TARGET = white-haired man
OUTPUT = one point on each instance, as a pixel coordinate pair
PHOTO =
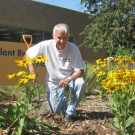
(65, 68)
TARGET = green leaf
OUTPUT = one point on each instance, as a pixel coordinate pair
(127, 134)
(23, 103)
(97, 90)
(22, 109)
(30, 106)
(109, 106)
(116, 119)
(99, 96)
(129, 121)
(1, 123)
(11, 109)
(115, 113)
(38, 119)
(36, 107)
(14, 117)
(51, 127)
(116, 125)
(3, 115)
(2, 110)
(111, 101)
(111, 126)
(21, 124)
(132, 98)
(17, 110)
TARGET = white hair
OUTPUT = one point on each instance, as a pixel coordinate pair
(61, 27)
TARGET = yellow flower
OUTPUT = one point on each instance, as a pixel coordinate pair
(11, 76)
(98, 80)
(95, 68)
(109, 91)
(127, 58)
(131, 61)
(98, 61)
(100, 73)
(120, 61)
(18, 85)
(40, 59)
(104, 81)
(111, 73)
(27, 78)
(120, 56)
(126, 65)
(116, 60)
(103, 64)
(105, 60)
(31, 76)
(24, 62)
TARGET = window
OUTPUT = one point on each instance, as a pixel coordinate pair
(47, 35)
(14, 34)
(10, 33)
(72, 39)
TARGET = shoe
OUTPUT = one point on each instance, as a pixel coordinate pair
(68, 118)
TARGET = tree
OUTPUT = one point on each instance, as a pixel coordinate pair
(113, 25)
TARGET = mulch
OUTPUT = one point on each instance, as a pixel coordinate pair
(92, 118)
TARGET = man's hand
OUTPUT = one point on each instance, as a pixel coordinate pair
(64, 83)
(31, 69)
(34, 80)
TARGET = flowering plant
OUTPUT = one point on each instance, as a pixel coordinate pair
(101, 70)
(120, 83)
(16, 120)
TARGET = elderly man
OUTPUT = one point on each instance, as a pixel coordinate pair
(65, 68)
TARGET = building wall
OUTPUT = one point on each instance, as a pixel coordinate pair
(9, 52)
(41, 16)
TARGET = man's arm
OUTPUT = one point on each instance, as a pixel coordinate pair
(79, 73)
(31, 67)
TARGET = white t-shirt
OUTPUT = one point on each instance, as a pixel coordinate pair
(61, 64)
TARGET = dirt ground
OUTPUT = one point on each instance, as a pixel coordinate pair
(92, 118)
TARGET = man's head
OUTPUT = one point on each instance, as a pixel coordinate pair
(61, 35)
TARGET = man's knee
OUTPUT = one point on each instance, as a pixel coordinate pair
(80, 82)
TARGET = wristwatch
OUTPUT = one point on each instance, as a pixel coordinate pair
(69, 78)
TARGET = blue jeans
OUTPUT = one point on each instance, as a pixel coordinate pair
(57, 102)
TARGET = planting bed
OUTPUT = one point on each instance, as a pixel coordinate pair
(92, 118)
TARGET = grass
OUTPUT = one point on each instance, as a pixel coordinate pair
(89, 77)
(10, 93)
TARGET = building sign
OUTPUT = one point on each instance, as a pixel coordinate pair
(9, 52)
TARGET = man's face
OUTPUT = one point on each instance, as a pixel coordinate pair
(61, 40)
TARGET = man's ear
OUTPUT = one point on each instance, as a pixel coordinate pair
(53, 36)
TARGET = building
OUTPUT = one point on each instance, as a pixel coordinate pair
(18, 17)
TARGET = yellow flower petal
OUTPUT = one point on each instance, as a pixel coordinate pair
(11, 76)
(21, 73)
